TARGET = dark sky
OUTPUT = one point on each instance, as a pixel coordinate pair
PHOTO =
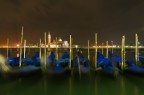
(81, 18)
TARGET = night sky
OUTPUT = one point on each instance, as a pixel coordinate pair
(81, 18)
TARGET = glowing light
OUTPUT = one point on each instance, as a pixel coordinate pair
(17, 45)
(60, 40)
(76, 46)
(17, 55)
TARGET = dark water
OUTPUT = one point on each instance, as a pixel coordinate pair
(123, 85)
(68, 85)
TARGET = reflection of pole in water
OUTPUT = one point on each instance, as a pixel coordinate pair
(122, 86)
(136, 92)
(70, 85)
(96, 86)
(45, 86)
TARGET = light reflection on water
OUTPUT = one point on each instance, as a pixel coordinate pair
(122, 87)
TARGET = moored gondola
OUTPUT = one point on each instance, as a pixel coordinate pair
(59, 67)
(128, 66)
(17, 72)
(81, 65)
(105, 66)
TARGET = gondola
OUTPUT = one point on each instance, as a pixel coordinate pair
(7, 71)
(59, 67)
(129, 66)
(34, 60)
(141, 60)
(13, 61)
(106, 66)
(81, 64)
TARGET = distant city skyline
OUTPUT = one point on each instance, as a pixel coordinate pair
(111, 19)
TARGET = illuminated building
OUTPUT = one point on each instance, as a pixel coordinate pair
(65, 44)
(57, 42)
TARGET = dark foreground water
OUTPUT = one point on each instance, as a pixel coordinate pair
(123, 85)
(67, 85)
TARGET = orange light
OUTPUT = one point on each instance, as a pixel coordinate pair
(17, 45)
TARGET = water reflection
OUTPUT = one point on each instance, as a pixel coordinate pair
(136, 91)
(45, 86)
(96, 87)
(122, 86)
(70, 85)
(7, 87)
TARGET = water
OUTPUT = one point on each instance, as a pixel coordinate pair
(68, 85)
(124, 85)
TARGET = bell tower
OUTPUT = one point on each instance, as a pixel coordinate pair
(49, 38)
